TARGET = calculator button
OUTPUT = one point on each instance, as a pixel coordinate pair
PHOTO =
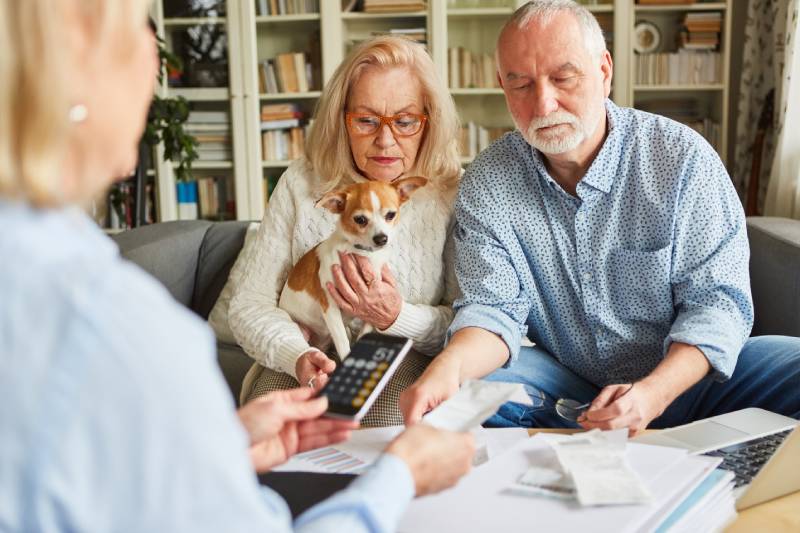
(371, 365)
(370, 383)
(349, 362)
(357, 402)
(376, 375)
(352, 391)
(363, 392)
(383, 366)
(360, 363)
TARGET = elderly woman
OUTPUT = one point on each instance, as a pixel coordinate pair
(115, 415)
(385, 114)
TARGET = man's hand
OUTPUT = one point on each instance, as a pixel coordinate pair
(436, 458)
(631, 406)
(313, 364)
(284, 423)
(438, 383)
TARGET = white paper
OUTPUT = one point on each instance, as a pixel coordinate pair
(481, 501)
(366, 445)
(475, 401)
(350, 457)
(596, 463)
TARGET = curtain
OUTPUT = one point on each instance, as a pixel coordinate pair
(762, 69)
(783, 192)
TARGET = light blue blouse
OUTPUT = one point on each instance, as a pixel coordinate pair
(113, 413)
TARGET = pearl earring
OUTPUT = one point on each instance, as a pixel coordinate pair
(78, 113)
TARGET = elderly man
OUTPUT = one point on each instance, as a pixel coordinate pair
(614, 240)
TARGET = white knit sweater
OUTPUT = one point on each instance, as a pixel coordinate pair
(422, 264)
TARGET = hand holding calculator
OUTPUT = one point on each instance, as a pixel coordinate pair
(359, 379)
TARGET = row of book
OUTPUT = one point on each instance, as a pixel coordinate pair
(283, 132)
(474, 138)
(212, 129)
(387, 6)
(287, 7)
(283, 145)
(286, 73)
(121, 205)
(688, 111)
(700, 31)
(471, 70)
(686, 67)
(419, 35)
(210, 198)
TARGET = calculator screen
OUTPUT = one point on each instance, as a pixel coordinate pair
(362, 373)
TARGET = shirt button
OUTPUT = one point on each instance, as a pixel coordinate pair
(587, 275)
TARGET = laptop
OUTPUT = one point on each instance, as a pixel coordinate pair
(761, 448)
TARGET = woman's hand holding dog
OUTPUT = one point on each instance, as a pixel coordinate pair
(313, 365)
(359, 293)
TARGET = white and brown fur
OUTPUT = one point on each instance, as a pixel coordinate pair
(305, 296)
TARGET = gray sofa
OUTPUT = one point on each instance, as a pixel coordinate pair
(193, 259)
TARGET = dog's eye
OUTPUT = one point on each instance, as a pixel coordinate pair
(390, 216)
(361, 220)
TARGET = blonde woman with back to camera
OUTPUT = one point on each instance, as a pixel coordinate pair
(116, 417)
(384, 115)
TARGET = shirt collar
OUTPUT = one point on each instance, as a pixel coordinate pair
(601, 172)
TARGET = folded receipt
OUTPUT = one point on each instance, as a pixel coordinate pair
(474, 403)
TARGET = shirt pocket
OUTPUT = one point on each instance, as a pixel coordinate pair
(639, 283)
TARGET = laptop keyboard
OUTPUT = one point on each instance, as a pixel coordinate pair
(746, 458)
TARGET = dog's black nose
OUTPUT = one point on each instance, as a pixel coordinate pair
(380, 239)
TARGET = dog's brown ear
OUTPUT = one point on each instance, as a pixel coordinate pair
(406, 186)
(333, 201)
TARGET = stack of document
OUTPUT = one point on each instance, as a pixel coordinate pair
(684, 492)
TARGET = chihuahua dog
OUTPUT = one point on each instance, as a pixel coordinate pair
(368, 213)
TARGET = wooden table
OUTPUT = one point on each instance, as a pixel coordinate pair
(775, 516)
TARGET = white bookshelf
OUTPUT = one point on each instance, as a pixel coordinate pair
(711, 99)
(448, 23)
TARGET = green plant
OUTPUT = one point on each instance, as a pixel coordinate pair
(166, 119)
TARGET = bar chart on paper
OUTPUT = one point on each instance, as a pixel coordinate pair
(351, 457)
(329, 460)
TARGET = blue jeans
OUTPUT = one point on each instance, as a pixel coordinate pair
(767, 375)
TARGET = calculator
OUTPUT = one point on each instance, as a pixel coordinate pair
(360, 378)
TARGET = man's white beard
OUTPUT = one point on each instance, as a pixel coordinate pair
(569, 133)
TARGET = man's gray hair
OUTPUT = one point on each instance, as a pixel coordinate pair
(545, 10)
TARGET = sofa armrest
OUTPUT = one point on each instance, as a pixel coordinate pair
(775, 274)
(168, 251)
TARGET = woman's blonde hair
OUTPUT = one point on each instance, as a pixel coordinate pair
(34, 87)
(328, 148)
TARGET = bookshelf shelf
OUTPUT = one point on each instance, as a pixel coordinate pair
(379, 16)
(193, 21)
(275, 163)
(476, 92)
(290, 96)
(708, 6)
(601, 8)
(480, 12)
(210, 165)
(655, 88)
(279, 19)
(201, 94)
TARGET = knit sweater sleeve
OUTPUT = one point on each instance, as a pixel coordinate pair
(263, 330)
(426, 325)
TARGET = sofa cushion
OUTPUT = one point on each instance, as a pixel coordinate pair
(218, 318)
(234, 364)
(775, 275)
(219, 251)
(169, 252)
